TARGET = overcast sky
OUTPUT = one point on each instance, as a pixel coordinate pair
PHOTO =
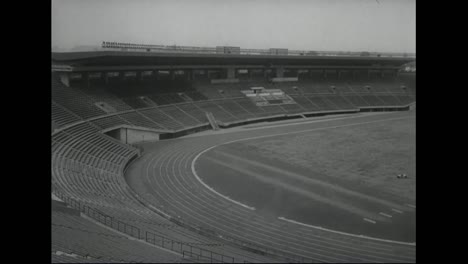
(338, 25)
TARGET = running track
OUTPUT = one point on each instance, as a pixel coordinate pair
(163, 177)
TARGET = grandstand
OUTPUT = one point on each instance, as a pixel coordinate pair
(98, 217)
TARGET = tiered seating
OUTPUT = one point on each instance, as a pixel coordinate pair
(87, 166)
(311, 87)
(322, 87)
(378, 87)
(272, 110)
(356, 100)
(218, 112)
(305, 103)
(136, 102)
(209, 91)
(292, 108)
(105, 190)
(177, 114)
(74, 100)
(310, 95)
(395, 87)
(388, 99)
(165, 99)
(160, 118)
(289, 88)
(405, 99)
(390, 87)
(62, 117)
(137, 119)
(53, 126)
(84, 145)
(358, 87)
(339, 102)
(101, 244)
(306, 88)
(231, 90)
(194, 111)
(372, 100)
(100, 95)
(196, 96)
(234, 109)
(321, 104)
(249, 106)
(341, 87)
(110, 121)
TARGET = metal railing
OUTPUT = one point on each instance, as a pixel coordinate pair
(183, 248)
(213, 50)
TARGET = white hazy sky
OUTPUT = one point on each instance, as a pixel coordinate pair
(339, 25)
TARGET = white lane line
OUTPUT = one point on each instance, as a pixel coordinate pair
(273, 135)
(211, 189)
(397, 211)
(412, 206)
(386, 215)
(369, 220)
(347, 234)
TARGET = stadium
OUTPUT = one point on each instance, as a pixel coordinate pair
(222, 154)
(219, 131)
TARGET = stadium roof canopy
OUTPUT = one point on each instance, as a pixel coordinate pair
(130, 60)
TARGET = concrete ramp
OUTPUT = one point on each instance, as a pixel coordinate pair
(212, 120)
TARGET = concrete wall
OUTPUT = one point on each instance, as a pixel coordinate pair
(133, 135)
(224, 80)
(285, 79)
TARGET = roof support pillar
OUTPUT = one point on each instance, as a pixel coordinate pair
(121, 75)
(105, 77)
(172, 74)
(189, 74)
(154, 75)
(85, 77)
(139, 76)
(231, 73)
(279, 72)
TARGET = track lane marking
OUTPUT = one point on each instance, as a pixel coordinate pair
(369, 220)
(308, 180)
(386, 215)
(348, 234)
